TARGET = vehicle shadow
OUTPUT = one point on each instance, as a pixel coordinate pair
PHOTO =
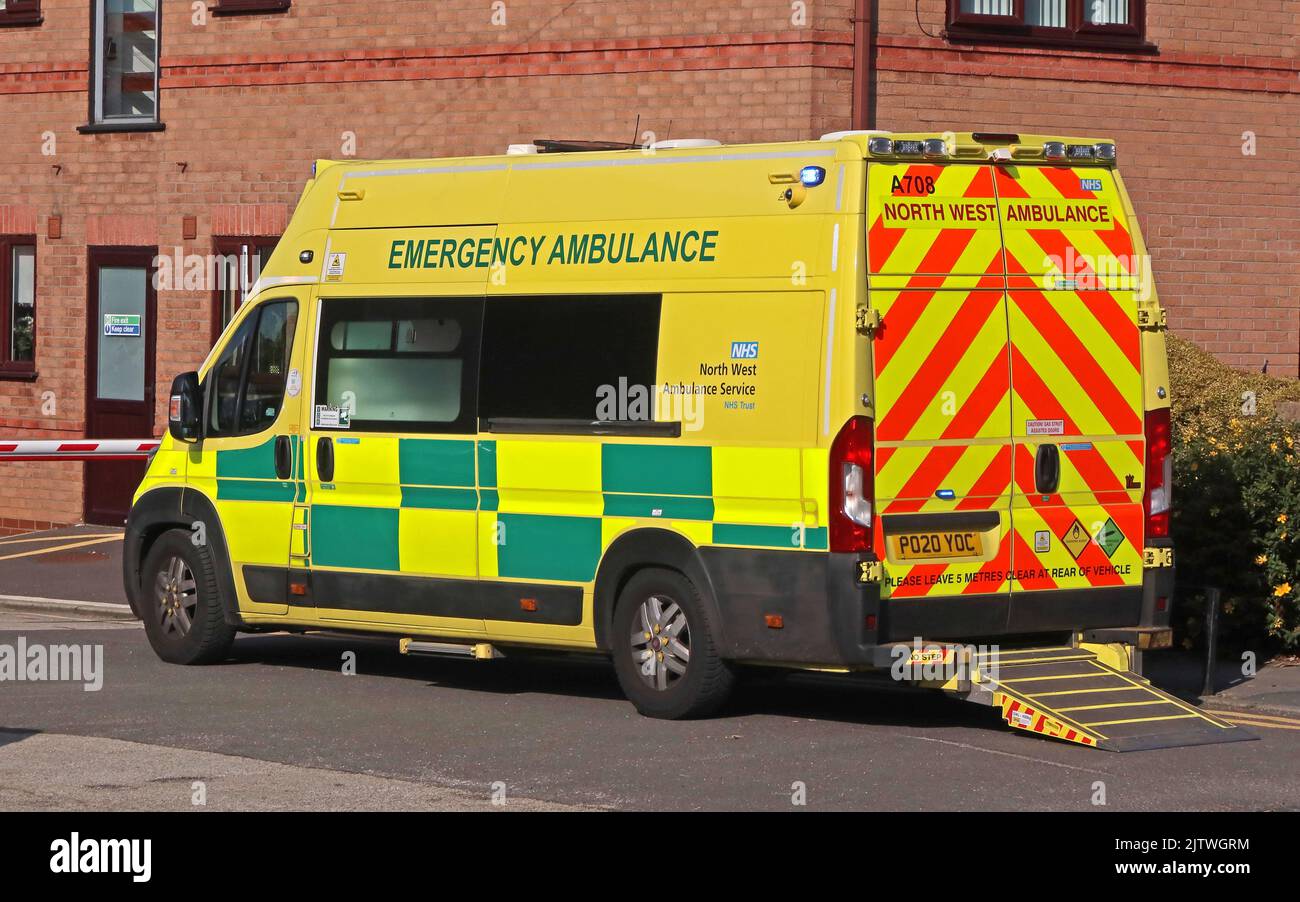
(766, 691)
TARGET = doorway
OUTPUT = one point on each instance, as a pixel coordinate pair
(120, 340)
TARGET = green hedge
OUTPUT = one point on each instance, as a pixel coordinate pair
(1236, 520)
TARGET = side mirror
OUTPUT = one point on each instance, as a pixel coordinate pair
(185, 413)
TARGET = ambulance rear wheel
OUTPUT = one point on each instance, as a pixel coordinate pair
(181, 602)
(664, 652)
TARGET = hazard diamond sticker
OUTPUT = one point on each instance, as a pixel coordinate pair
(1076, 538)
(1109, 538)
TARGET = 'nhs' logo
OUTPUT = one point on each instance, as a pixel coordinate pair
(1090, 184)
(744, 350)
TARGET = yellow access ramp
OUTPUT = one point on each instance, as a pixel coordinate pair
(1069, 693)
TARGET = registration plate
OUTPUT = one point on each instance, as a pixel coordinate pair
(924, 546)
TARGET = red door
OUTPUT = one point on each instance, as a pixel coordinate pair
(121, 316)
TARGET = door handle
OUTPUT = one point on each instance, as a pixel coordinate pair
(1047, 469)
(325, 458)
(283, 457)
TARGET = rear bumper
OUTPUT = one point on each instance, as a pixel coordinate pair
(830, 619)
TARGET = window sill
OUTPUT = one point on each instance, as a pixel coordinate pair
(21, 21)
(18, 375)
(106, 128)
(270, 7)
(957, 35)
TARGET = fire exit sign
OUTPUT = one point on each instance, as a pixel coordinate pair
(122, 324)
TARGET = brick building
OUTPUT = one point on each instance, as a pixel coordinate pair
(131, 134)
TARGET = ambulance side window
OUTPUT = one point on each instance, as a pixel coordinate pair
(400, 365)
(569, 358)
(247, 382)
(268, 365)
(223, 382)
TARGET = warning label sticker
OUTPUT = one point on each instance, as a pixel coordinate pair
(1076, 538)
(328, 417)
(1044, 427)
(1109, 538)
(334, 265)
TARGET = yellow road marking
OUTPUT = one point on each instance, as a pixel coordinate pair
(1264, 725)
(99, 541)
(97, 535)
(1244, 722)
(1253, 715)
(1250, 720)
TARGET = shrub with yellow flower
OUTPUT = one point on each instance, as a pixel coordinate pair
(1236, 492)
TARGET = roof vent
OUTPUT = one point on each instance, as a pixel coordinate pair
(550, 145)
(683, 143)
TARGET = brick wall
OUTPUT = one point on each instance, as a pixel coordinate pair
(250, 101)
(1223, 227)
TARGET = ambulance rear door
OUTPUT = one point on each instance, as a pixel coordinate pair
(941, 396)
(1076, 408)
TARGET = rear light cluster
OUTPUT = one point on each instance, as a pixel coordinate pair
(1157, 499)
(852, 487)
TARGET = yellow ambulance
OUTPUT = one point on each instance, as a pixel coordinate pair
(696, 407)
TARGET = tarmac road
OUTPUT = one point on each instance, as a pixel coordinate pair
(281, 726)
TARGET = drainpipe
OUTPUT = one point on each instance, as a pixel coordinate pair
(865, 17)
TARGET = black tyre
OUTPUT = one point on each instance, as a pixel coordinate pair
(663, 646)
(180, 602)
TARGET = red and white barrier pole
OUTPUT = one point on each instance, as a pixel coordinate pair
(79, 449)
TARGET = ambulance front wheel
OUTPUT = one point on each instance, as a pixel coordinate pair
(664, 652)
(180, 601)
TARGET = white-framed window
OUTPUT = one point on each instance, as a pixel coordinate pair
(124, 62)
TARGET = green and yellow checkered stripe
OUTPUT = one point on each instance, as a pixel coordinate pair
(545, 510)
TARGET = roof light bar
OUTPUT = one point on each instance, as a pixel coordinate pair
(909, 148)
(880, 146)
(1105, 152)
(1081, 151)
(1054, 150)
(936, 148)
